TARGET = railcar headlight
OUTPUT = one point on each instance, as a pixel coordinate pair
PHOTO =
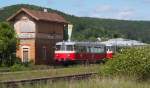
(68, 55)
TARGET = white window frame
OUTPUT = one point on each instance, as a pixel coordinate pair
(22, 48)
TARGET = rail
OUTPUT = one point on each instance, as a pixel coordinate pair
(15, 83)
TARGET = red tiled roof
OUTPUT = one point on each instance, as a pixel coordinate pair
(40, 15)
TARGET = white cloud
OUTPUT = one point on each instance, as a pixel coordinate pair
(50, 1)
(107, 11)
(146, 0)
(103, 8)
(101, 11)
(125, 14)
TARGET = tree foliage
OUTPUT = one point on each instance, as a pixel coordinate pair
(7, 44)
(132, 62)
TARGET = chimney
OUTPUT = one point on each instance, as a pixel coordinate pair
(45, 10)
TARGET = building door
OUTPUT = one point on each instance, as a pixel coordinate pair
(25, 54)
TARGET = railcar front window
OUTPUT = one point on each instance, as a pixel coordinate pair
(63, 48)
(57, 47)
(109, 48)
(69, 47)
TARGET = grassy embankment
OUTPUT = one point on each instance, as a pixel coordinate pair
(7, 76)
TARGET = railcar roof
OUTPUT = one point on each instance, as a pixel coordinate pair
(65, 43)
(80, 43)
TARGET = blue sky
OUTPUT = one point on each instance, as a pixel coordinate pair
(115, 9)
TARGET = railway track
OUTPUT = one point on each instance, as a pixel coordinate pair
(16, 83)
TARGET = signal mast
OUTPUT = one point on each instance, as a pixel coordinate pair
(70, 27)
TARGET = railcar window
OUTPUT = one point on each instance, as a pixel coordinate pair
(63, 48)
(97, 49)
(58, 47)
(75, 48)
(108, 48)
(88, 49)
(80, 48)
(69, 47)
(100, 49)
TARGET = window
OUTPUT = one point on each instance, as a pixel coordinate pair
(100, 49)
(109, 48)
(44, 53)
(25, 55)
(81, 48)
(97, 49)
(27, 26)
(88, 49)
(69, 47)
(63, 48)
(58, 47)
(24, 26)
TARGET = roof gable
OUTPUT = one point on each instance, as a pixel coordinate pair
(39, 15)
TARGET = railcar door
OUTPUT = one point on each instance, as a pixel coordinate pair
(70, 53)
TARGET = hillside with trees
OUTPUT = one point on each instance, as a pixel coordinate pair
(86, 28)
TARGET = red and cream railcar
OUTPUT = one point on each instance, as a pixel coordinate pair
(110, 50)
(81, 51)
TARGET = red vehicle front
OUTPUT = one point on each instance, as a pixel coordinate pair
(64, 52)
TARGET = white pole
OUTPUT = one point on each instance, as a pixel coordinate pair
(70, 26)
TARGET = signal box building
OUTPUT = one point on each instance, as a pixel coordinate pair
(37, 33)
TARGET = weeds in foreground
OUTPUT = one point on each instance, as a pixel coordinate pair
(92, 83)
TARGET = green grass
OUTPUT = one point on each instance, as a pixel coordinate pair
(92, 83)
(4, 69)
(8, 76)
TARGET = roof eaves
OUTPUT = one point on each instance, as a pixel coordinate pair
(29, 13)
(8, 19)
(22, 9)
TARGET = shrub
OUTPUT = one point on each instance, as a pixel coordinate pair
(8, 41)
(133, 62)
(28, 64)
(18, 67)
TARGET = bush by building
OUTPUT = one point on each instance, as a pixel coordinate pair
(8, 46)
(133, 62)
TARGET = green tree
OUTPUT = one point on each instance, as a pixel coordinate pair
(8, 46)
